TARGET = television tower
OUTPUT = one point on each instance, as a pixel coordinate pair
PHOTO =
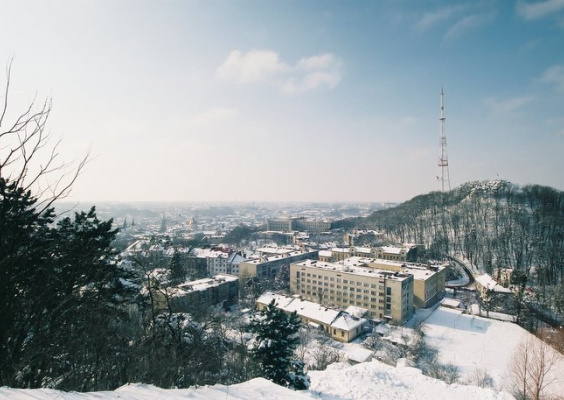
(443, 159)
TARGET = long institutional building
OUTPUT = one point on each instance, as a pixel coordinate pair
(269, 264)
(297, 224)
(386, 289)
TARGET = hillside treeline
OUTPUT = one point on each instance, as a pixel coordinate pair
(493, 224)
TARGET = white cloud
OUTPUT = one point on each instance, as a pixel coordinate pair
(252, 67)
(265, 66)
(431, 19)
(317, 62)
(467, 23)
(554, 75)
(539, 9)
(314, 72)
(311, 81)
(508, 105)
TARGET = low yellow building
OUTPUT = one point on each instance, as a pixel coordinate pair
(340, 325)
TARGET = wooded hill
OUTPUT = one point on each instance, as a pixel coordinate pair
(495, 224)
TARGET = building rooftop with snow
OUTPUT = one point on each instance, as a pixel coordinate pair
(196, 296)
(267, 267)
(340, 325)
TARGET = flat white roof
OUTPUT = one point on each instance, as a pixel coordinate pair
(419, 272)
(362, 271)
(201, 284)
(279, 256)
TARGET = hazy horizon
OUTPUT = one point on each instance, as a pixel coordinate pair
(292, 101)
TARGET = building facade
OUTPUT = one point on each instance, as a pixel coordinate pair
(428, 280)
(268, 267)
(297, 224)
(196, 296)
(384, 294)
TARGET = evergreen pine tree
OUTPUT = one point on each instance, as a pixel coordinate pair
(177, 272)
(274, 348)
(62, 302)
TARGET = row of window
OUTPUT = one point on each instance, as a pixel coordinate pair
(361, 302)
(344, 288)
(309, 291)
(332, 279)
(345, 282)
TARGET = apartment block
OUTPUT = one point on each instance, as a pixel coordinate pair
(297, 224)
(384, 294)
(428, 280)
(267, 267)
(196, 296)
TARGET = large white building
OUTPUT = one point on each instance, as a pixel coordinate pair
(384, 294)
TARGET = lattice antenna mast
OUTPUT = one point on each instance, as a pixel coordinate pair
(443, 159)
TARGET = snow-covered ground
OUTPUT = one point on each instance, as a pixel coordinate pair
(375, 380)
(255, 389)
(371, 380)
(474, 343)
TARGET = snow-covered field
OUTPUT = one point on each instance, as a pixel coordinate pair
(475, 343)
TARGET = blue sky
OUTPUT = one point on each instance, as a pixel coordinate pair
(292, 100)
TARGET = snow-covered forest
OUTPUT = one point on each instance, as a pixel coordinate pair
(494, 225)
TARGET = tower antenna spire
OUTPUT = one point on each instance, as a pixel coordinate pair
(443, 158)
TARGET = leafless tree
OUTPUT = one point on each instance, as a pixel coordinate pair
(324, 355)
(531, 366)
(28, 155)
(306, 337)
(448, 373)
(480, 378)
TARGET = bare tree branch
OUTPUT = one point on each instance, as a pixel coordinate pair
(5, 106)
(532, 368)
(27, 155)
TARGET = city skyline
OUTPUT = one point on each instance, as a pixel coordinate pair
(292, 101)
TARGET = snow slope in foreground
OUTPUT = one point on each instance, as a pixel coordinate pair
(255, 389)
(376, 380)
(372, 380)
